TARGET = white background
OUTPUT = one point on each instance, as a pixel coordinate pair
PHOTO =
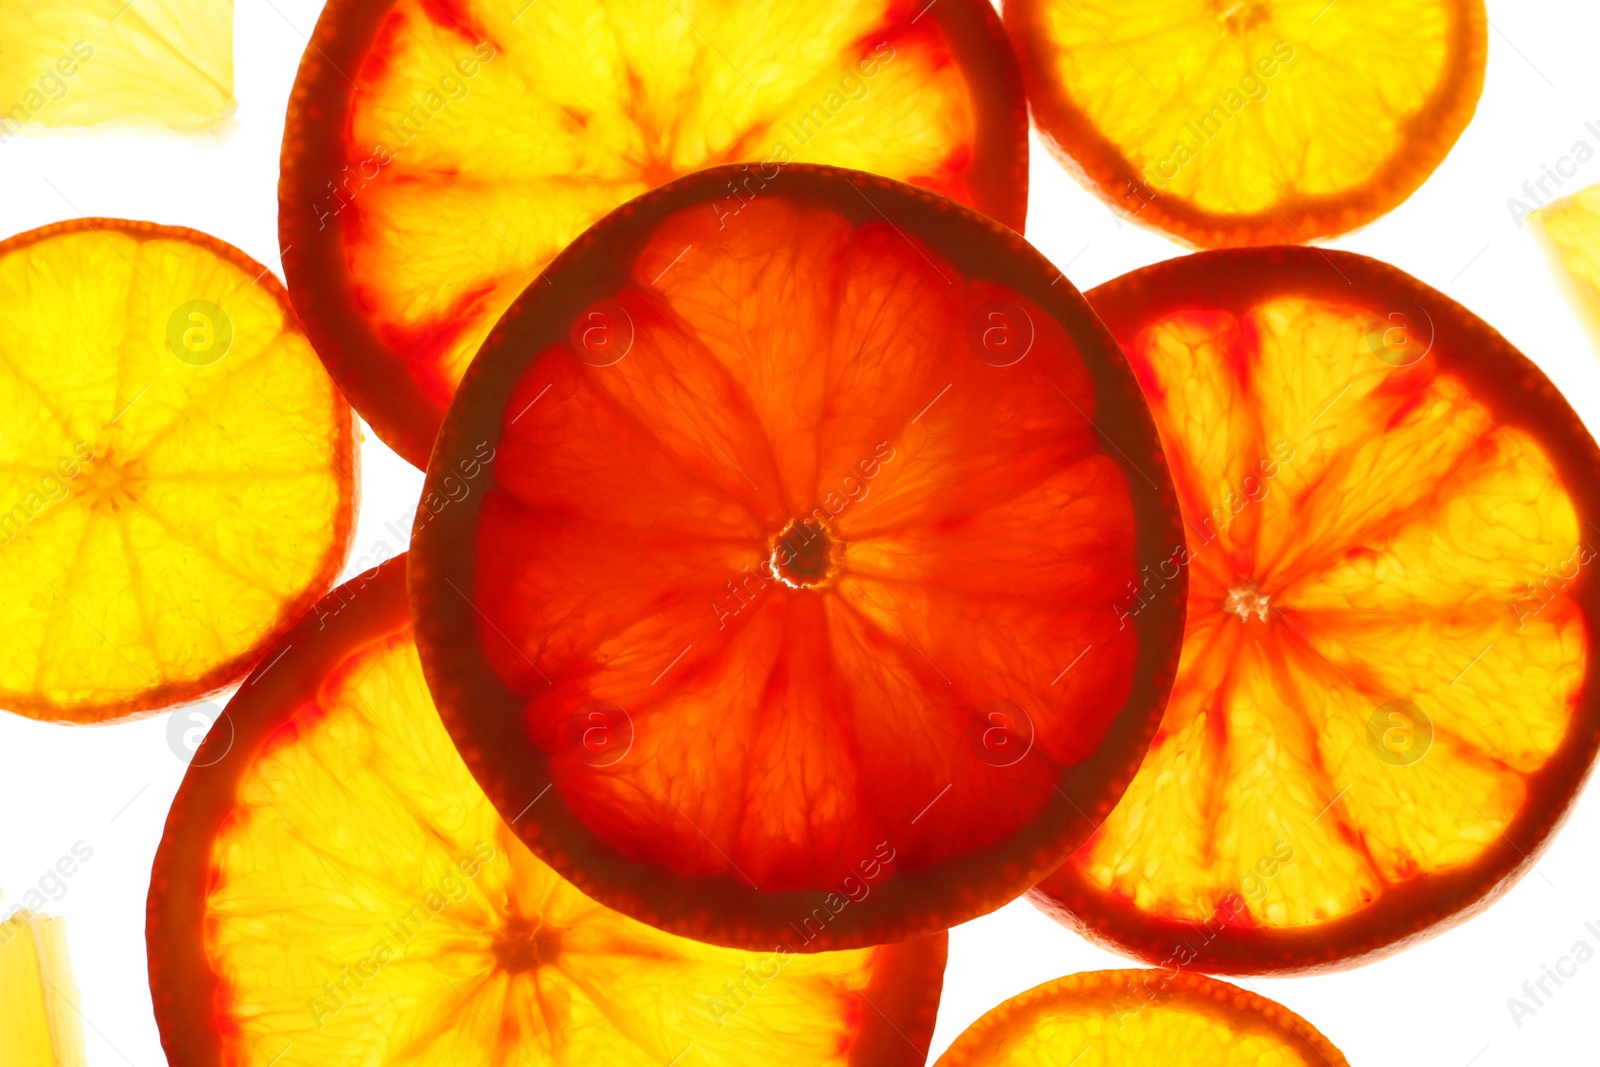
(1443, 1003)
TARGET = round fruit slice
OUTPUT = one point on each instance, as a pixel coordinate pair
(1133, 1018)
(332, 888)
(823, 506)
(1383, 707)
(1262, 122)
(177, 471)
(439, 153)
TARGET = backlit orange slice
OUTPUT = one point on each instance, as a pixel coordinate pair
(1251, 122)
(1140, 1019)
(177, 470)
(439, 153)
(332, 888)
(1384, 705)
(806, 512)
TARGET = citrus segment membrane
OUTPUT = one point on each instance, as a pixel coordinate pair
(1270, 121)
(177, 476)
(1133, 1018)
(483, 139)
(1382, 709)
(810, 515)
(1570, 231)
(85, 62)
(39, 1021)
(333, 887)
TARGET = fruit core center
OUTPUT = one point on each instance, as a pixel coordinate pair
(526, 944)
(805, 555)
(1246, 601)
(105, 478)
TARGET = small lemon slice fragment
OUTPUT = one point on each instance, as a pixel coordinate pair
(39, 1021)
(84, 62)
(1569, 228)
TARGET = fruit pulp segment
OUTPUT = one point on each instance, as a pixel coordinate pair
(1570, 230)
(794, 371)
(366, 904)
(1236, 107)
(1137, 1035)
(487, 139)
(174, 460)
(39, 1021)
(84, 62)
(1408, 558)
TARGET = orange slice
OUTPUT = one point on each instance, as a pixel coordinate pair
(85, 62)
(808, 516)
(332, 888)
(1140, 1019)
(1250, 123)
(39, 1021)
(177, 472)
(1382, 710)
(439, 153)
(1570, 231)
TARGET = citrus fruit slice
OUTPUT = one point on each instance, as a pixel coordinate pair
(1133, 1018)
(1382, 710)
(177, 472)
(84, 62)
(1262, 122)
(332, 887)
(808, 510)
(39, 1023)
(440, 152)
(1570, 230)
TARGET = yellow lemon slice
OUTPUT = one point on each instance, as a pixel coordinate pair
(177, 471)
(39, 1021)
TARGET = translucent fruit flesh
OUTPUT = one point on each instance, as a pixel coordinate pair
(483, 140)
(1387, 547)
(1140, 1019)
(1570, 228)
(1262, 122)
(777, 512)
(39, 1021)
(176, 472)
(85, 62)
(353, 898)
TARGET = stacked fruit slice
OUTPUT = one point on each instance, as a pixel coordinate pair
(332, 887)
(1390, 517)
(439, 154)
